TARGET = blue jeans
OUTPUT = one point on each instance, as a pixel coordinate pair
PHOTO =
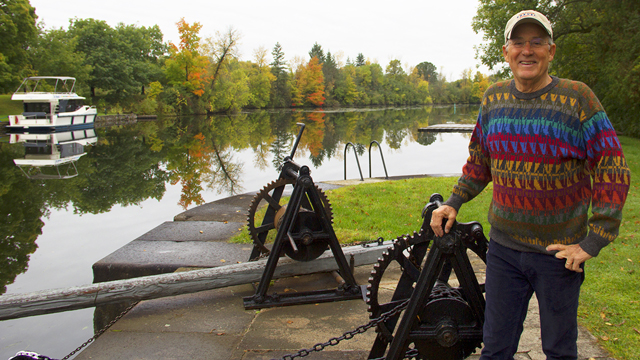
(512, 278)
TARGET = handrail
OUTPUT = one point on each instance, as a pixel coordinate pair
(357, 161)
(386, 175)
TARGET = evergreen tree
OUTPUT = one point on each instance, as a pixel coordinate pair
(330, 71)
(280, 88)
(278, 65)
(360, 61)
(316, 51)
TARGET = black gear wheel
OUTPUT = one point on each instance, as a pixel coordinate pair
(407, 253)
(271, 195)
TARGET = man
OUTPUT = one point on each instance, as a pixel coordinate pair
(541, 140)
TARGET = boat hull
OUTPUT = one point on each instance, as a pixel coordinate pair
(57, 122)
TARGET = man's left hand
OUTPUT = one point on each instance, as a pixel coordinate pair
(573, 253)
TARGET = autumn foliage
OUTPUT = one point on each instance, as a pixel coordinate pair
(309, 84)
(185, 64)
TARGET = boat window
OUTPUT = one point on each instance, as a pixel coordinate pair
(37, 149)
(69, 105)
(30, 107)
(70, 149)
(74, 105)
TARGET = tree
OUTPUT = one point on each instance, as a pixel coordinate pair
(331, 72)
(185, 65)
(260, 79)
(280, 87)
(142, 47)
(56, 50)
(427, 71)
(308, 87)
(232, 91)
(360, 61)
(18, 33)
(221, 51)
(316, 51)
(122, 60)
(395, 68)
(346, 91)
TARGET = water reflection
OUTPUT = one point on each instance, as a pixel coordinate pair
(52, 155)
(126, 165)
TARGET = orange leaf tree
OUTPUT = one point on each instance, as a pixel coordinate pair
(308, 84)
(186, 66)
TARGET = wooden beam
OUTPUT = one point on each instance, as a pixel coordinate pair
(157, 286)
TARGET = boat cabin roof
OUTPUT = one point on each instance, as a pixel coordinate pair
(47, 84)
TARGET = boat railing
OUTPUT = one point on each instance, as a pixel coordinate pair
(53, 85)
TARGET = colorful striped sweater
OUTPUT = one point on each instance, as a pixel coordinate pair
(542, 150)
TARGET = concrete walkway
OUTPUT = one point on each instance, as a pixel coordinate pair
(214, 325)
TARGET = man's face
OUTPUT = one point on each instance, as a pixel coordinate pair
(530, 65)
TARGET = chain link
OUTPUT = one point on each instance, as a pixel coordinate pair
(96, 335)
(350, 334)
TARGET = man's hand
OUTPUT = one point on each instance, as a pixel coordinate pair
(443, 212)
(573, 253)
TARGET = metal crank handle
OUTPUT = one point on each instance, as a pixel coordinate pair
(295, 145)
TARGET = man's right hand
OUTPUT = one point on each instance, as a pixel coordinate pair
(443, 212)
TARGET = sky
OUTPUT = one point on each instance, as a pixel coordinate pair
(407, 30)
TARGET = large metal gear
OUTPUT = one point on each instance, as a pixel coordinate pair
(440, 340)
(406, 253)
(270, 196)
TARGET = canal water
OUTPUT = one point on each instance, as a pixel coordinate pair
(126, 180)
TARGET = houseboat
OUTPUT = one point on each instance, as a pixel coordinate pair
(50, 103)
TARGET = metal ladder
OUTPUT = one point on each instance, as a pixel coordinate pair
(346, 148)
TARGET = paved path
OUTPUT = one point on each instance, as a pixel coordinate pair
(214, 325)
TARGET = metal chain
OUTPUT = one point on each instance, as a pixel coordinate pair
(96, 335)
(349, 334)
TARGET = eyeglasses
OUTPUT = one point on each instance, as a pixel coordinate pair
(535, 43)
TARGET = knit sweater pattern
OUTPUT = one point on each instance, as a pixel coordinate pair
(550, 155)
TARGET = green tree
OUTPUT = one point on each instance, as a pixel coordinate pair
(142, 48)
(221, 51)
(346, 90)
(56, 50)
(260, 79)
(427, 71)
(395, 68)
(280, 87)
(331, 72)
(316, 51)
(18, 33)
(122, 60)
(232, 90)
(360, 60)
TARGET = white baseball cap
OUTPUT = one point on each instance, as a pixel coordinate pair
(527, 16)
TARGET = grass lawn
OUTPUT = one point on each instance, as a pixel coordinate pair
(610, 298)
(9, 107)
